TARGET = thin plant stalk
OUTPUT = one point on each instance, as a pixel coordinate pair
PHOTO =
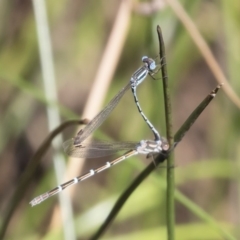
(152, 166)
(170, 209)
(53, 115)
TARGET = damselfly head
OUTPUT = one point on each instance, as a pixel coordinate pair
(152, 66)
(144, 58)
(150, 63)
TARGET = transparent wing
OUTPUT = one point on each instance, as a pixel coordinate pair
(100, 118)
(95, 149)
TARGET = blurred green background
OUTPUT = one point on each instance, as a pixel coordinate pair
(207, 160)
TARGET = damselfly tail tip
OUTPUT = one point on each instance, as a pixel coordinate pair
(39, 199)
(34, 202)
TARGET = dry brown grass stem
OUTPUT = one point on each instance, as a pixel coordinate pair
(204, 49)
(100, 86)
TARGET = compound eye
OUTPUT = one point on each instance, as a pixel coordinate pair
(144, 58)
(152, 66)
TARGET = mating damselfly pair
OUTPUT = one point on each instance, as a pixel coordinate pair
(81, 148)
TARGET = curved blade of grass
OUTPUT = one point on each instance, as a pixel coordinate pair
(194, 115)
(30, 171)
